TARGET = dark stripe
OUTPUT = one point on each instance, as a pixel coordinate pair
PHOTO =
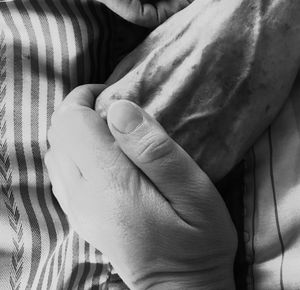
(63, 45)
(66, 88)
(36, 152)
(98, 270)
(87, 266)
(61, 266)
(90, 38)
(253, 215)
(20, 155)
(66, 85)
(78, 41)
(75, 266)
(49, 59)
(50, 76)
(275, 208)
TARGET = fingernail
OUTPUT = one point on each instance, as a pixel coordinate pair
(125, 116)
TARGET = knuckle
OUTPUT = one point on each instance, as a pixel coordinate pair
(59, 114)
(65, 106)
(81, 90)
(155, 147)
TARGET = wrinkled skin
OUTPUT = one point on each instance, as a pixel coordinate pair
(149, 13)
(214, 75)
(126, 194)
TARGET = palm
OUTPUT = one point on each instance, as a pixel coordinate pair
(146, 13)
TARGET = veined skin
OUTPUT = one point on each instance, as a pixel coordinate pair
(214, 75)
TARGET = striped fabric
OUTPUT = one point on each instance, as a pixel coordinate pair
(272, 202)
(47, 47)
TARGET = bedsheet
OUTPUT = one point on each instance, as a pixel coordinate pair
(47, 47)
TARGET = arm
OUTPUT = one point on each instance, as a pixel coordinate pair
(214, 75)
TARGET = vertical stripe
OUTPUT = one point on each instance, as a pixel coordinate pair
(37, 157)
(6, 181)
(70, 40)
(38, 92)
(66, 86)
(20, 154)
(87, 266)
(75, 265)
(65, 66)
(275, 207)
(253, 216)
(80, 65)
(98, 270)
(91, 30)
(49, 59)
(63, 45)
(62, 267)
(51, 92)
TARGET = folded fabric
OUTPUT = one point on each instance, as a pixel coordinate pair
(47, 48)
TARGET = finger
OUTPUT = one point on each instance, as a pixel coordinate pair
(82, 96)
(123, 89)
(144, 13)
(81, 132)
(167, 165)
(84, 136)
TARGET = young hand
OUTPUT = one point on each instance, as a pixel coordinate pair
(133, 193)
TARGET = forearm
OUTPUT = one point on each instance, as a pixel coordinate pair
(216, 278)
(227, 284)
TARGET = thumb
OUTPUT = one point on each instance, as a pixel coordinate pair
(124, 89)
(164, 162)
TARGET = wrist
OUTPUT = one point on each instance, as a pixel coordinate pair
(194, 285)
(218, 281)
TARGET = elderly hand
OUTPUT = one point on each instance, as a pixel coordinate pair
(133, 193)
(215, 76)
(149, 13)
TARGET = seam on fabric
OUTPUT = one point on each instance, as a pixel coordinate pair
(253, 215)
(6, 182)
(276, 208)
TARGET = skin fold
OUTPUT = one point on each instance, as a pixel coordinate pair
(122, 187)
(214, 75)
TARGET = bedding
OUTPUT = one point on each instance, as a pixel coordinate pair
(47, 48)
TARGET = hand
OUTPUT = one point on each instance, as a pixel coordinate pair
(149, 13)
(215, 76)
(133, 193)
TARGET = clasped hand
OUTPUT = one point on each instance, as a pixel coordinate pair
(133, 193)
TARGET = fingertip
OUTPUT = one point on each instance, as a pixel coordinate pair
(124, 117)
(84, 95)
